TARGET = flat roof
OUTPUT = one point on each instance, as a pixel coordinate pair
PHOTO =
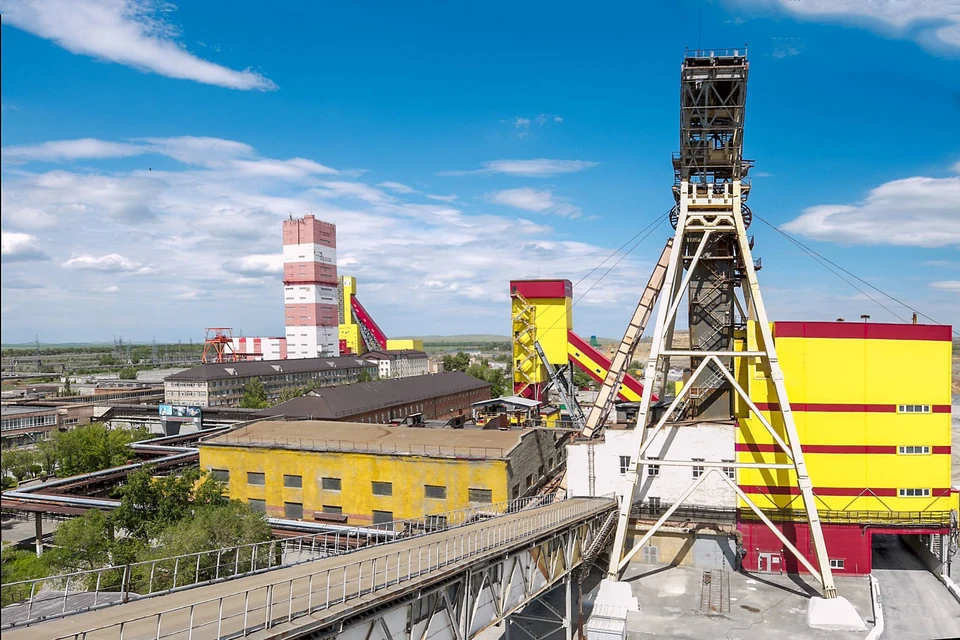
(19, 409)
(517, 400)
(323, 435)
(250, 368)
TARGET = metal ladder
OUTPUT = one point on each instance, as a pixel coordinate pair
(607, 395)
(557, 380)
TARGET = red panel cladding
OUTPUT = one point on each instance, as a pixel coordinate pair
(848, 542)
(542, 288)
(367, 320)
(344, 349)
(863, 331)
(311, 315)
(320, 273)
(309, 230)
(283, 348)
(584, 347)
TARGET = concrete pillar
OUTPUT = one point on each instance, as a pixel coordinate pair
(39, 533)
(568, 606)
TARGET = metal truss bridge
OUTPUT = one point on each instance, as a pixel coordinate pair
(451, 584)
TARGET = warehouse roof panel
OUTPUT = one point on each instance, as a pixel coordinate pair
(330, 403)
(318, 435)
(249, 368)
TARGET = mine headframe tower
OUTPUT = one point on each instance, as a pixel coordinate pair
(710, 263)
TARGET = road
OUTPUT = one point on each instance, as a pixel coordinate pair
(328, 587)
(915, 603)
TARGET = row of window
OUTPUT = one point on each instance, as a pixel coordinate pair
(377, 488)
(653, 470)
(29, 421)
(913, 408)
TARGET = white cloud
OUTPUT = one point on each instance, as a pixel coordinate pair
(127, 32)
(20, 247)
(200, 150)
(952, 286)
(111, 289)
(293, 169)
(450, 198)
(60, 150)
(397, 187)
(538, 168)
(256, 266)
(521, 123)
(111, 263)
(918, 211)
(935, 24)
(524, 198)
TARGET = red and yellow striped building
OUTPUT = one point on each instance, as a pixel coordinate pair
(872, 408)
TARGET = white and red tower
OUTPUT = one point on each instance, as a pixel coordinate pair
(310, 287)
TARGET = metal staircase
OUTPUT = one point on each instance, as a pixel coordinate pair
(524, 339)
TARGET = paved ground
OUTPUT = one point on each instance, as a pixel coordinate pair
(915, 603)
(23, 532)
(762, 606)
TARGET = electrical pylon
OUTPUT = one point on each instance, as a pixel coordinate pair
(711, 260)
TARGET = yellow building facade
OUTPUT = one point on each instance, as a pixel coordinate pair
(872, 408)
(542, 310)
(370, 474)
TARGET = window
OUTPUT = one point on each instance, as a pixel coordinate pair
(914, 449)
(624, 464)
(913, 408)
(259, 506)
(730, 472)
(382, 517)
(480, 495)
(383, 488)
(332, 509)
(255, 478)
(697, 468)
(330, 484)
(836, 563)
(914, 493)
(293, 510)
(434, 491)
(221, 475)
(653, 470)
(293, 482)
(529, 481)
(654, 504)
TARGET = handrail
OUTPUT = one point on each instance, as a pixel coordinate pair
(285, 600)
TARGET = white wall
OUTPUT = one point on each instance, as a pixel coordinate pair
(712, 442)
(312, 342)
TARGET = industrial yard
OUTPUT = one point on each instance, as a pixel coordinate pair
(431, 323)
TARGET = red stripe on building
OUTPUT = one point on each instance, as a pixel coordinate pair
(754, 447)
(863, 331)
(542, 288)
(845, 408)
(880, 492)
(601, 360)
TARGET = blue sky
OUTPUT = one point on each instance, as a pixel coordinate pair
(150, 152)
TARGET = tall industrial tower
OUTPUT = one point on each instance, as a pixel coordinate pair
(310, 287)
(711, 265)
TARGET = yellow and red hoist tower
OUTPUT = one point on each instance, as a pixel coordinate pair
(709, 265)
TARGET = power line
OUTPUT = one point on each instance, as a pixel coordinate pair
(824, 262)
(656, 221)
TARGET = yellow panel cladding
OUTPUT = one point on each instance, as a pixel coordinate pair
(351, 334)
(357, 472)
(845, 393)
(553, 318)
(396, 344)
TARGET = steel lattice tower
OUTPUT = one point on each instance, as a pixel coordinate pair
(712, 262)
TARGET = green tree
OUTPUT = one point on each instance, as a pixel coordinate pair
(149, 505)
(128, 373)
(456, 362)
(81, 544)
(18, 462)
(254, 395)
(365, 376)
(16, 565)
(289, 393)
(581, 379)
(91, 448)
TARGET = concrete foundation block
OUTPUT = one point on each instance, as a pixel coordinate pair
(616, 594)
(834, 614)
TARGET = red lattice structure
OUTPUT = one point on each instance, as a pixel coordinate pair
(218, 346)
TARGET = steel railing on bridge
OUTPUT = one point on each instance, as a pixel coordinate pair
(264, 606)
(59, 595)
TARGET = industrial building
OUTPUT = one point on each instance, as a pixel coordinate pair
(364, 473)
(28, 424)
(220, 384)
(439, 396)
(399, 363)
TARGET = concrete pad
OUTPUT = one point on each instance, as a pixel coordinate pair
(834, 614)
(616, 594)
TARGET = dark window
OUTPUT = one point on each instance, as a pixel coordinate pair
(330, 484)
(383, 488)
(255, 478)
(653, 470)
(515, 493)
(382, 517)
(260, 506)
(481, 495)
(697, 469)
(529, 481)
(293, 482)
(654, 505)
(624, 464)
(331, 509)
(293, 510)
(730, 472)
(434, 491)
(222, 475)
